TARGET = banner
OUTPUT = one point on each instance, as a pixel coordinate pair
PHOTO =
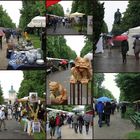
(90, 25)
(33, 97)
(36, 127)
(51, 2)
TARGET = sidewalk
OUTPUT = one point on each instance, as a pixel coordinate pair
(14, 131)
(117, 130)
(68, 133)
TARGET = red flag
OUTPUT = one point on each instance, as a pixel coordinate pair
(51, 2)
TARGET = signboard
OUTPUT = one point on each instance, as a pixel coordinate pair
(33, 97)
(90, 25)
(36, 127)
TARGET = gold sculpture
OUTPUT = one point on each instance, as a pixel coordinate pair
(82, 72)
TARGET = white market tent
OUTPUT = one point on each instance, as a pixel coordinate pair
(99, 46)
(38, 21)
(89, 56)
(131, 32)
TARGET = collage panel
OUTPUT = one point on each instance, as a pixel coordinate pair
(69, 17)
(22, 104)
(69, 72)
(117, 48)
(76, 122)
(23, 36)
(116, 105)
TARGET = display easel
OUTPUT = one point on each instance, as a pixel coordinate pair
(77, 89)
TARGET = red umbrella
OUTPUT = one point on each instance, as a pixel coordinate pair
(120, 38)
(63, 62)
(51, 2)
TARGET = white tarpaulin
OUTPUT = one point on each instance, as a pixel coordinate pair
(90, 25)
(99, 46)
(131, 32)
(38, 21)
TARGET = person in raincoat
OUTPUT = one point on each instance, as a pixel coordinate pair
(136, 48)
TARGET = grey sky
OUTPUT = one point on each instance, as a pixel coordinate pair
(110, 84)
(76, 43)
(8, 78)
(110, 8)
(12, 8)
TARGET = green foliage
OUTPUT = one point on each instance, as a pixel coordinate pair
(39, 136)
(99, 90)
(5, 20)
(29, 10)
(34, 81)
(84, 6)
(129, 85)
(35, 40)
(56, 9)
(131, 18)
(133, 135)
(104, 27)
(87, 48)
(98, 16)
(58, 48)
(1, 95)
(62, 107)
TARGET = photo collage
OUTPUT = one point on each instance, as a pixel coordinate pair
(46, 69)
(69, 69)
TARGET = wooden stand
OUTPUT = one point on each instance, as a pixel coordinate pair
(77, 89)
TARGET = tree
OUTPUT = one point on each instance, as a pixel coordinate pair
(29, 10)
(129, 86)
(5, 20)
(34, 81)
(1, 95)
(57, 47)
(98, 16)
(87, 48)
(131, 18)
(56, 9)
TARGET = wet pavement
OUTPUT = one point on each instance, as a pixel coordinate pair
(112, 62)
(14, 131)
(118, 128)
(68, 133)
(63, 30)
(3, 59)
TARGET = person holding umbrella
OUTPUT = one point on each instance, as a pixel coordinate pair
(100, 109)
(124, 50)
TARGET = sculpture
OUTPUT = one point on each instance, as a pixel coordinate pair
(82, 72)
(58, 93)
(117, 17)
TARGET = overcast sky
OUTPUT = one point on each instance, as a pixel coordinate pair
(76, 43)
(66, 5)
(12, 8)
(110, 84)
(8, 78)
(110, 8)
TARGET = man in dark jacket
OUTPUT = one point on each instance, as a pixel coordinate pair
(124, 50)
(52, 127)
(80, 123)
(107, 111)
(100, 108)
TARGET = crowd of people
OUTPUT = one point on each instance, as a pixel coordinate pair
(106, 109)
(20, 112)
(76, 122)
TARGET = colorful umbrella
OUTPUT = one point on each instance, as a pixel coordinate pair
(51, 2)
(104, 99)
(120, 38)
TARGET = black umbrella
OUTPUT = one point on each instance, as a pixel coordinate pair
(136, 36)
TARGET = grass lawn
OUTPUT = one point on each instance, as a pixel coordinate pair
(133, 135)
(37, 136)
(35, 40)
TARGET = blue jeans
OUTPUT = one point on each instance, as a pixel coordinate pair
(58, 131)
(100, 119)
